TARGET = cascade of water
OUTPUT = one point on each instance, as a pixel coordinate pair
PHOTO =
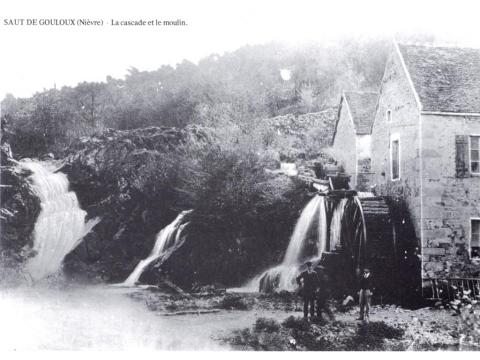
(282, 277)
(336, 223)
(303, 225)
(363, 235)
(322, 229)
(166, 238)
(60, 226)
(365, 194)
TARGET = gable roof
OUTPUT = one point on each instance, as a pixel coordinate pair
(362, 106)
(446, 79)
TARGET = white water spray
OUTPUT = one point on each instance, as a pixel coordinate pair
(322, 229)
(60, 226)
(282, 277)
(303, 225)
(336, 224)
(166, 239)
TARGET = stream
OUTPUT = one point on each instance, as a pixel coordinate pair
(99, 318)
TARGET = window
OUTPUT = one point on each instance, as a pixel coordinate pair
(475, 238)
(395, 157)
(389, 115)
(474, 152)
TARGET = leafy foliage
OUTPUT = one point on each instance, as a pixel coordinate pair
(235, 88)
(233, 302)
(469, 327)
(267, 325)
(297, 323)
(298, 334)
(243, 215)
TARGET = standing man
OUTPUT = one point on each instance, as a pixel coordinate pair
(310, 284)
(365, 294)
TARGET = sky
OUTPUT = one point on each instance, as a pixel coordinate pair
(37, 57)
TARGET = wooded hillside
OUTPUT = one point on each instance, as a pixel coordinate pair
(235, 88)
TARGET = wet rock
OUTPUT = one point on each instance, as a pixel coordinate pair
(19, 210)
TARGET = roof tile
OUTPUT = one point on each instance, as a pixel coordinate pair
(446, 79)
(362, 107)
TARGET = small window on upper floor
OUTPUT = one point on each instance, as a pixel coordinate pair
(475, 238)
(395, 157)
(474, 154)
(389, 115)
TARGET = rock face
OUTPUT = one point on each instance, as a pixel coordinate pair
(125, 178)
(137, 182)
(18, 212)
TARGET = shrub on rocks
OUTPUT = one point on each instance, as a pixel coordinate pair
(233, 302)
(267, 325)
(296, 323)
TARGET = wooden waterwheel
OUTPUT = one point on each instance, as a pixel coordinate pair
(368, 240)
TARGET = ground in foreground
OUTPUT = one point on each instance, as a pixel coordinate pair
(274, 322)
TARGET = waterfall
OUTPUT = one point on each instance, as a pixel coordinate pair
(60, 226)
(282, 277)
(365, 194)
(322, 228)
(166, 239)
(336, 224)
(303, 225)
(363, 238)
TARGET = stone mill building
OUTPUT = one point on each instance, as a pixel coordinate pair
(418, 140)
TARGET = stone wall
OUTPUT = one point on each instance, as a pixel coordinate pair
(397, 96)
(448, 202)
(444, 202)
(364, 175)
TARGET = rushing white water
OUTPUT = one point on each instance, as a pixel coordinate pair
(282, 277)
(166, 238)
(60, 226)
(322, 228)
(303, 225)
(336, 223)
(364, 194)
(364, 233)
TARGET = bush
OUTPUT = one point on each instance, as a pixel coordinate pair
(469, 327)
(371, 336)
(380, 330)
(243, 215)
(233, 302)
(267, 325)
(171, 307)
(246, 339)
(296, 323)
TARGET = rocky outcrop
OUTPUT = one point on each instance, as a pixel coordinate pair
(137, 182)
(127, 178)
(19, 210)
